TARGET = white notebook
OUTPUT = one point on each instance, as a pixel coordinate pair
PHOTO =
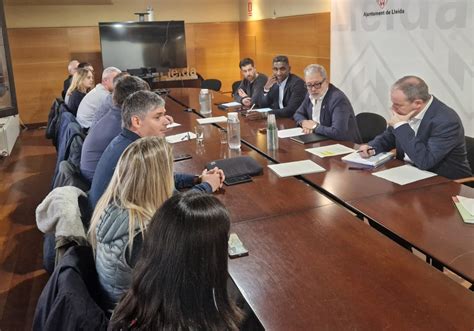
(176, 138)
(403, 175)
(260, 110)
(295, 168)
(210, 120)
(287, 133)
(373, 161)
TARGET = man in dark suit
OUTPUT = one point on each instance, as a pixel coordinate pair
(326, 110)
(425, 131)
(251, 85)
(283, 92)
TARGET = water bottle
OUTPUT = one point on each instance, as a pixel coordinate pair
(272, 133)
(205, 101)
(233, 130)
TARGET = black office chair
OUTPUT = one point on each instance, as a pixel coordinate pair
(235, 87)
(370, 125)
(212, 84)
(469, 181)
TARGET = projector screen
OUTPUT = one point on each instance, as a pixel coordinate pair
(134, 45)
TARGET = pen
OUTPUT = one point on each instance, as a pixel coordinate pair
(369, 149)
(355, 168)
(248, 111)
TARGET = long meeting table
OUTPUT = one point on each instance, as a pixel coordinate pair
(311, 264)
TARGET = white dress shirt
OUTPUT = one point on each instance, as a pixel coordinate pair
(317, 102)
(281, 92)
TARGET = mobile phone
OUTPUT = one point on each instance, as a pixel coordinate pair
(182, 157)
(237, 180)
(236, 248)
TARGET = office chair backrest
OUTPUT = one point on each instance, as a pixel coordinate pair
(235, 87)
(370, 125)
(212, 84)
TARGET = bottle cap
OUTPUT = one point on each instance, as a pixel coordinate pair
(232, 116)
(205, 90)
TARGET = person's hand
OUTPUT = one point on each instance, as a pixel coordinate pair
(271, 80)
(396, 118)
(170, 119)
(247, 101)
(255, 115)
(214, 177)
(242, 93)
(366, 151)
(308, 126)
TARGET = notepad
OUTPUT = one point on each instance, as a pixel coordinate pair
(330, 150)
(373, 161)
(295, 168)
(467, 214)
(230, 104)
(177, 138)
(172, 125)
(210, 120)
(403, 175)
(260, 110)
(287, 133)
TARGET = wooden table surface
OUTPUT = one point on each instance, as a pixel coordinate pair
(322, 269)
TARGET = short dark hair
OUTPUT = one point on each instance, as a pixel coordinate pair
(281, 58)
(245, 62)
(125, 86)
(413, 87)
(84, 65)
(120, 75)
(139, 104)
(180, 279)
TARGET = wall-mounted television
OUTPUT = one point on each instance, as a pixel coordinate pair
(134, 45)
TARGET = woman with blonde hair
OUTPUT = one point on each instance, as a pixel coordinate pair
(82, 82)
(142, 181)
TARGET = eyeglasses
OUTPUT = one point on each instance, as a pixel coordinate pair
(315, 85)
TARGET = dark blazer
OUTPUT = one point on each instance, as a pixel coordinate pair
(439, 145)
(337, 119)
(292, 98)
(253, 89)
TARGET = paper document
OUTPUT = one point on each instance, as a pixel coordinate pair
(467, 203)
(231, 104)
(210, 120)
(260, 110)
(295, 168)
(373, 161)
(466, 216)
(287, 133)
(330, 150)
(176, 138)
(173, 125)
(405, 174)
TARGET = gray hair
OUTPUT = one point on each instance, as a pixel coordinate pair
(315, 69)
(413, 87)
(110, 70)
(139, 104)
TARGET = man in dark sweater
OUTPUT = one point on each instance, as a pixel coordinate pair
(251, 86)
(283, 92)
(326, 110)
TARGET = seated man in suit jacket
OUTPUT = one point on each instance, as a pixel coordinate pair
(424, 131)
(326, 110)
(283, 92)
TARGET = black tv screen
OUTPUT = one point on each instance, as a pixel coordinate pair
(134, 45)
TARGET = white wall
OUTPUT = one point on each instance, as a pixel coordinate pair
(263, 9)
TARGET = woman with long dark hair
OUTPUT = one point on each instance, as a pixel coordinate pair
(179, 282)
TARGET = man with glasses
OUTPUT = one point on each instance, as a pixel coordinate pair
(283, 92)
(424, 131)
(326, 110)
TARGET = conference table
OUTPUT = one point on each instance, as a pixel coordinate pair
(312, 264)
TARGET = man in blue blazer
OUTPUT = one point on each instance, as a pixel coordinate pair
(326, 110)
(424, 131)
(283, 91)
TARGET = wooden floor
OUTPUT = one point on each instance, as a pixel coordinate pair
(25, 179)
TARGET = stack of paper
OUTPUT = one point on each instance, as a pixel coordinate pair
(295, 168)
(465, 207)
(176, 138)
(230, 104)
(260, 110)
(172, 125)
(287, 133)
(405, 174)
(210, 120)
(330, 150)
(373, 161)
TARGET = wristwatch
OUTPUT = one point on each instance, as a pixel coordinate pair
(315, 126)
(197, 179)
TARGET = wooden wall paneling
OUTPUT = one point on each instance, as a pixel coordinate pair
(84, 45)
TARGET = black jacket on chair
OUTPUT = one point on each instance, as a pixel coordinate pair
(66, 302)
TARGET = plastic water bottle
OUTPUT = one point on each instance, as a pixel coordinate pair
(205, 101)
(272, 133)
(233, 130)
